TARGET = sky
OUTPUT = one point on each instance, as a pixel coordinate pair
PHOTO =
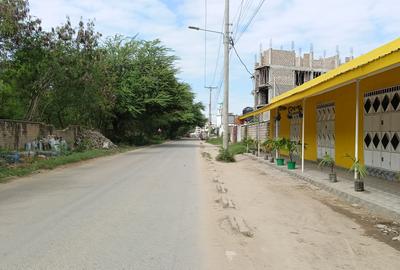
(359, 24)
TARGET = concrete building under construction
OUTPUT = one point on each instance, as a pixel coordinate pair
(277, 71)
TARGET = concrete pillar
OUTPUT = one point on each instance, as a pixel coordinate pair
(311, 61)
(357, 124)
(270, 52)
(258, 136)
(303, 136)
(276, 133)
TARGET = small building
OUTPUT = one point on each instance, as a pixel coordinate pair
(353, 110)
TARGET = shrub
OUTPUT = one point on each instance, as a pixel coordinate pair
(225, 155)
(327, 161)
(292, 148)
(357, 167)
(279, 143)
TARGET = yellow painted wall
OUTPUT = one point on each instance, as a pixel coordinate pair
(344, 99)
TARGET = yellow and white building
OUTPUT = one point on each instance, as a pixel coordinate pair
(353, 109)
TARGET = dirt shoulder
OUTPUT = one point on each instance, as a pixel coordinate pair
(295, 225)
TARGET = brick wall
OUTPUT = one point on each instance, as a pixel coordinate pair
(69, 134)
(330, 62)
(318, 63)
(284, 79)
(283, 58)
(15, 134)
(252, 131)
(306, 60)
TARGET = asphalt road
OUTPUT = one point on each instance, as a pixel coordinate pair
(137, 210)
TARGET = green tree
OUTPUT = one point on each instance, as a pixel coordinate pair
(128, 88)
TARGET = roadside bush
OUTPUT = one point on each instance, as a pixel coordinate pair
(82, 146)
(225, 155)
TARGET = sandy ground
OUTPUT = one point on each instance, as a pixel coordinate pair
(295, 225)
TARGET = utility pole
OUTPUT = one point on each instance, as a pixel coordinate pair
(219, 115)
(225, 139)
(227, 43)
(209, 104)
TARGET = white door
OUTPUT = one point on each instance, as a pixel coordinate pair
(326, 130)
(382, 129)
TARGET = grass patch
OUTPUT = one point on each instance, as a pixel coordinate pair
(52, 163)
(234, 148)
(215, 141)
(237, 148)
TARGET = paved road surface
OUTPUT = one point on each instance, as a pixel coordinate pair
(138, 210)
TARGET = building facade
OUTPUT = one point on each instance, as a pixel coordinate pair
(353, 110)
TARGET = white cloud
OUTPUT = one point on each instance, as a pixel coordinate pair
(361, 24)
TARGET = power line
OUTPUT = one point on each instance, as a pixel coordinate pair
(237, 16)
(251, 18)
(243, 14)
(218, 54)
(246, 26)
(241, 61)
(205, 43)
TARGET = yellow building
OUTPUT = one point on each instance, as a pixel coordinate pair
(353, 109)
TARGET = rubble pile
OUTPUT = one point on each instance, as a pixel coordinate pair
(94, 140)
(389, 230)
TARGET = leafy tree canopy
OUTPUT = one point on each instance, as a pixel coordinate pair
(127, 88)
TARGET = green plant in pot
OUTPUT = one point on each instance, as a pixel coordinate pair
(268, 146)
(279, 144)
(256, 147)
(329, 162)
(249, 142)
(360, 172)
(253, 146)
(292, 148)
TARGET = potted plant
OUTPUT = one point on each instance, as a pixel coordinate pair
(268, 147)
(279, 143)
(360, 172)
(248, 142)
(292, 148)
(328, 161)
(253, 146)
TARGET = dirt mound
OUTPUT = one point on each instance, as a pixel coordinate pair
(92, 139)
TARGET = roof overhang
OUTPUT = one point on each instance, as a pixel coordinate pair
(376, 61)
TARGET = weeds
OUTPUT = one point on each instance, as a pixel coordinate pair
(52, 163)
(225, 155)
(206, 155)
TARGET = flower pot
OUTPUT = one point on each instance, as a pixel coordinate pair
(291, 165)
(359, 185)
(280, 161)
(333, 177)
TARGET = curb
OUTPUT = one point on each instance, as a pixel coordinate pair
(371, 206)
